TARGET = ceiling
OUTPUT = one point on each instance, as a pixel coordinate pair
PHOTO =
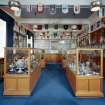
(49, 2)
(33, 17)
(84, 5)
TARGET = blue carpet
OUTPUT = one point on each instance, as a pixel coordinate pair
(51, 89)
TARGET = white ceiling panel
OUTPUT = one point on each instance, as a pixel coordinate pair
(46, 2)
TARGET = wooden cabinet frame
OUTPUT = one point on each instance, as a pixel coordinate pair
(20, 84)
(86, 86)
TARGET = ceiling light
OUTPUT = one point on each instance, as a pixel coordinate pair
(95, 5)
(14, 5)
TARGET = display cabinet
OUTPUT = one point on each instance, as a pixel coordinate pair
(19, 40)
(97, 38)
(84, 71)
(43, 62)
(84, 41)
(40, 58)
(21, 70)
(19, 36)
(71, 68)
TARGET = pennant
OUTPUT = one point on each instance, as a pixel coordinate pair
(52, 9)
(56, 26)
(24, 6)
(40, 8)
(31, 7)
(28, 8)
(65, 9)
(46, 26)
(55, 34)
(39, 27)
(77, 9)
(65, 27)
(79, 27)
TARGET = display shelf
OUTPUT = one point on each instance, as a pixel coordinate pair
(84, 71)
(20, 35)
(84, 40)
(97, 38)
(19, 40)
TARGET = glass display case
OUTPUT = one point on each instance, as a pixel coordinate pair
(89, 62)
(21, 70)
(84, 71)
(35, 58)
(19, 36)
(21, 60)
(71, 60)
(39, 56)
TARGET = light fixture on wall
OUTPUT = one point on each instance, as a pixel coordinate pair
(14, 5)
(95, 5)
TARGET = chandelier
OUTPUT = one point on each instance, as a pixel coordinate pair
(14, 5)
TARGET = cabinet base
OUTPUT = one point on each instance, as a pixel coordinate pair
(22, 93)
(89, 94)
